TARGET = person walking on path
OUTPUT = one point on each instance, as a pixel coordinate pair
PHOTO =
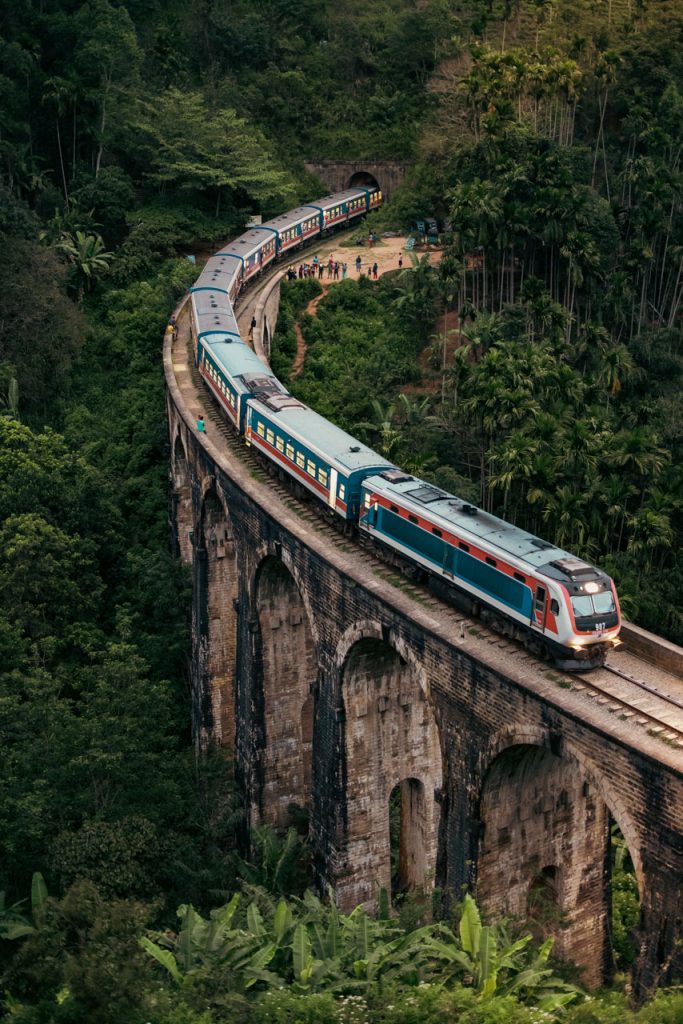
(400, 260)
(343, 271)
(375, 268)
(358, 263)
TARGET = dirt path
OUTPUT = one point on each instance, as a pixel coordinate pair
(298, 364)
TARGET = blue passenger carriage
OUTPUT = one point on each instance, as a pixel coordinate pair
(212, 317)
(294, 227)
(341, 207)
(323, 458)
(234, 374)
(221, 273)
(256, 248)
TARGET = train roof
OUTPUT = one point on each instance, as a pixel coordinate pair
(247, 244)
(331, 442)
(237, 359)
(213, 313)
(449, 510)
(327, 202)
(292, 217)
(219, 272)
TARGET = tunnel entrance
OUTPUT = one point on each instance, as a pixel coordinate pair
(363, 179)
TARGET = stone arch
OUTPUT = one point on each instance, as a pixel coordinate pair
(545, 837)
(536, 736)
(181, 501)
(286, 667)
(214, 620)
(390, 738)
(363, 179)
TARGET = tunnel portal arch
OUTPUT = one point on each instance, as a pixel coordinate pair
(363, 179)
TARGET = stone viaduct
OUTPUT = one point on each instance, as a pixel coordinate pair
(334, 688)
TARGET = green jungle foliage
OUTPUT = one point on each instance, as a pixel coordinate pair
(132, 134)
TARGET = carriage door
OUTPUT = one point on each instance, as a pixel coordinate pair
(540, 602)
(332, 499)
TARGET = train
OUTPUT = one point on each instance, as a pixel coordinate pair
(556, 604)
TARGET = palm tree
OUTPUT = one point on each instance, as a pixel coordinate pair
(386, 437)
(9, 405)
(88, 257)
(57, 92)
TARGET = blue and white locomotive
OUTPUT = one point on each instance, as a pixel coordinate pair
(521, 585)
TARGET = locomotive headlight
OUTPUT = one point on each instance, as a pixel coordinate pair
(592, 588)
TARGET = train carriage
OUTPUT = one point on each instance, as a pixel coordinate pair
(234, 373)
(256, 248)
(320, 456)
(541, 593)
(223, 273)
(295, 227)
(213, 319)
(341, 207)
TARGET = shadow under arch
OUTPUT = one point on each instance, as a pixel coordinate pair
(285, 669)
(390, 739)
(363, 179)
(215, 593)
(545, 849)
(181, 501)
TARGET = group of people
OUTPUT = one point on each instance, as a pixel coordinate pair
(335, 270)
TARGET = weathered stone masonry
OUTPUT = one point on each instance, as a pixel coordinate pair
(334, 690)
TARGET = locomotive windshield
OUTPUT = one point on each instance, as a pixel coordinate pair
(600, 604)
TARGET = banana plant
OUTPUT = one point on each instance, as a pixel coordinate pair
(13, 923)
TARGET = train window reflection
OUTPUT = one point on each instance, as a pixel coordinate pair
(582, 605)
(603, 603)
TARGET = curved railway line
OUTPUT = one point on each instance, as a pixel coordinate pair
(632, 687)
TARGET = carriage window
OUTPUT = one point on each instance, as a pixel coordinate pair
(436, 531)
(540, 599)
(300, 459)
(412, 519)
(518, 576)
(260, 430)
(322, 477)
(310, 468)
(394, 508)
(280, 444)
(554, 607)
(270, 437)
(290, 451)
(490, 561)
(463, 546)
(342, 492)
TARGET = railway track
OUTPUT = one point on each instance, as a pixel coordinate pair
(654, 705)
